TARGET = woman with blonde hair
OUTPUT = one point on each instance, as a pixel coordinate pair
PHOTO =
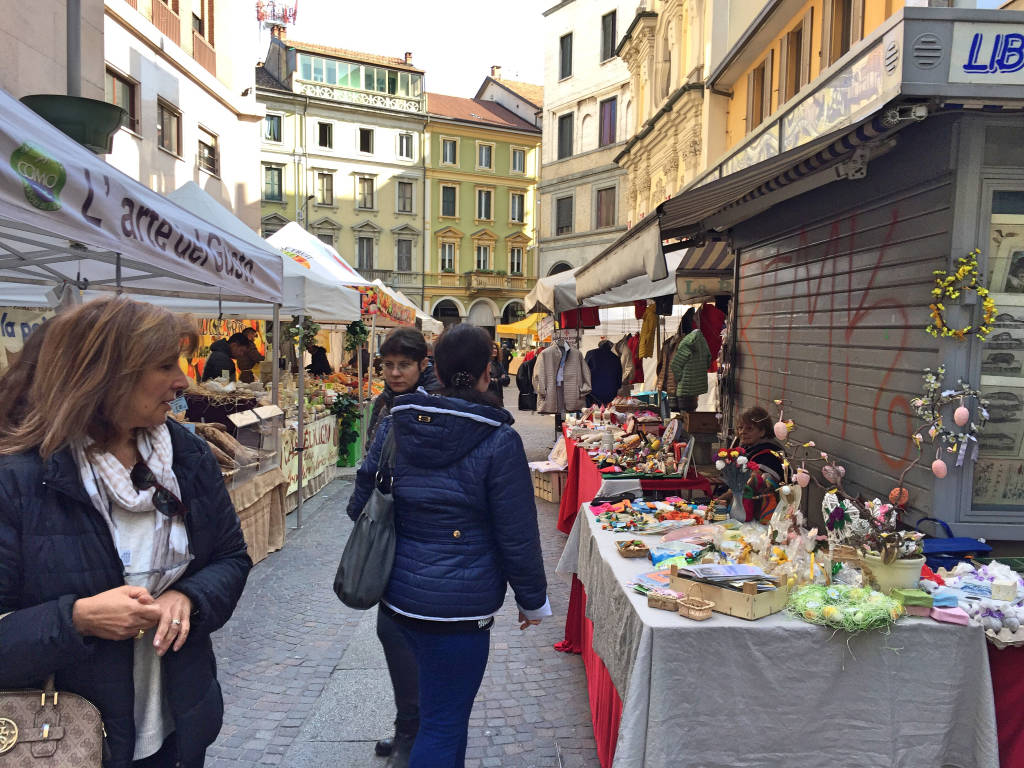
(120, 550)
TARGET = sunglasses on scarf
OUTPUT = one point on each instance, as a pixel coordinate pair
(166, 502)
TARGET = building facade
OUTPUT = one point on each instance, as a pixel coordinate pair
(342, 154)
(587, 116)
(183, 73)
(524, 99)
(481, 168)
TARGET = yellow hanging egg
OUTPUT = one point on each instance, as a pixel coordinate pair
(831, 613)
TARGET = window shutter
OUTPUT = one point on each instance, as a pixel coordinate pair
(750, 102)
(784, 93)
(826, 34)
(856, 21)
(767, 93)
(805, 46)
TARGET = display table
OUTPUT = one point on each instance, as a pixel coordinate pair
(777, 691)
(259, 503)
(584, 480)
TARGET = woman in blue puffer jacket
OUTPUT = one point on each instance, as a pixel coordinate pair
(466, 528)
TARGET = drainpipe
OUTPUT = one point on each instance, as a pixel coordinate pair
(426, 221)
(74, 47)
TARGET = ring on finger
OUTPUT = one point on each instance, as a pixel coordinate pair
(176, 622)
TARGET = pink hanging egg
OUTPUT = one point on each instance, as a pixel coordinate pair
(781, 430)
(803, 478)
(961, 416)
(939, 468)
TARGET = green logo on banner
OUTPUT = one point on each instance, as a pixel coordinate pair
(43, 176)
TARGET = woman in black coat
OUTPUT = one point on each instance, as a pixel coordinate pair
(120, 550)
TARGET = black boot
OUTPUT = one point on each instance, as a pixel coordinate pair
(384, 747)
(402, 749)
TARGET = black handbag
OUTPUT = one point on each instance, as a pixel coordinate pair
(527, 401)
(365, 566)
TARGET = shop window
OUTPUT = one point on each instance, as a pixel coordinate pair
(998, 483)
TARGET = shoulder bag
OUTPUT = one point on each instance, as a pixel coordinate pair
(365, 565)
(49, 729)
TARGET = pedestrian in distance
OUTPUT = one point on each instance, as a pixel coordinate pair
(499, 378)
(120, 550)
(466, 529)
(406, 368)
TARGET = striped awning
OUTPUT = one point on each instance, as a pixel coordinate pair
(704, 271)
(712, 257)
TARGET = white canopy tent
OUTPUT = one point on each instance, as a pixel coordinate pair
(314, 254)
(67, 217)
(553, 294)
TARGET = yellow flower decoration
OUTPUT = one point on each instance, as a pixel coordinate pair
(966, 277)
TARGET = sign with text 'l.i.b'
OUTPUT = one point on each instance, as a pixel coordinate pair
(987, 53)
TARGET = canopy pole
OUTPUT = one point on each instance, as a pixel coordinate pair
(275, 376)
(117, 273)
(657, 360)
(369, 371)
(299, 442)
(74, 47)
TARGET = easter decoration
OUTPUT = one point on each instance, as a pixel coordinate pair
(840, 606)
(732, 463)
(949, 287)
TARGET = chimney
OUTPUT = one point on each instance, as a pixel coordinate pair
(277, 31)
(408, 57)
(496, 71)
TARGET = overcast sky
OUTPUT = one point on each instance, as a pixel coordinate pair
(454, 41)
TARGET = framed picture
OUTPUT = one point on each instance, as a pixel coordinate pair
(1004, 433)
(671, 432)
(1006, 254)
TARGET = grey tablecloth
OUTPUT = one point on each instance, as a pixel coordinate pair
(777, 691)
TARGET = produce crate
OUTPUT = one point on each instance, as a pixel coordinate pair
(549, 485)
(743, 605)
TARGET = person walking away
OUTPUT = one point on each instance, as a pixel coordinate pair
(466, 528)
(120, 550)
(223, 354)
(406, 368)
(499, 379)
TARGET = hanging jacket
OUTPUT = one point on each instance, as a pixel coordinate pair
(55, 547)
(666, 378)
(465, 518)
(524, 376)
(712, 321)
(576, 380)
(647, 332)
(605, 374)
(626, 359)
(690, 365)
(638, 364)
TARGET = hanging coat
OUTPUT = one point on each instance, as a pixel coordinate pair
(712, 321)
(647, 332)
(626, 359)
(638, 364)
(690, 365)
(605, 374)
(575, 380)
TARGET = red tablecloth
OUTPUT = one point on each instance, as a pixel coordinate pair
(1008, 687)
(584, 481)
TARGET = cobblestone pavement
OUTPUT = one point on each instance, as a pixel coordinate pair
(306, 686)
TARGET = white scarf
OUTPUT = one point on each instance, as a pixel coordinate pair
(108, 482)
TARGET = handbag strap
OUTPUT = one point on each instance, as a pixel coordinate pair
(943, 523)
(386, 466)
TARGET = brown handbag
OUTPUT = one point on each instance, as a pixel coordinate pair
(49, 729)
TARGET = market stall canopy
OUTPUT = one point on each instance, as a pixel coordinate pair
(640, 287)
(427, 323)
(703, 272)
(314, 254)
(554, 293)
(316, 295)
(66, 216)
(525, 327)
(384, 306)
(717, 204)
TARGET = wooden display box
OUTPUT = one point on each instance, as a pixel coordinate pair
(701, 422)
(549, 485)
(743, 605)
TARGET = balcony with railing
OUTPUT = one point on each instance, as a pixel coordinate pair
(167, 21)
(394, 279)
(203, 52)
(475, 282)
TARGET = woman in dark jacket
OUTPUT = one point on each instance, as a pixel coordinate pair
(499, 379)
(466, 528)
(120, 551)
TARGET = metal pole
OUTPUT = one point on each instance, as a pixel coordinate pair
(299, 442)
(370, 343)
(275, 357)
(74, 47)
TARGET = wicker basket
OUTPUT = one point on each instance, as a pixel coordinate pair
(662, 602)
(695, 608)
(627, 552)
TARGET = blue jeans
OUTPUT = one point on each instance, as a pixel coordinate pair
(451, 669)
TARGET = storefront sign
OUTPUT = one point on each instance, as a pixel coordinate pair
(848, 96)
(701, 286)
(321, 450)
(987, 53)
(380, 303)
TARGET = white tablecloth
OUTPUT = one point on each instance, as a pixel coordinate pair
(780, 692)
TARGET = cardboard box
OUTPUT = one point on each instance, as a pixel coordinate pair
(549, 485)
(701, 422)
(743, 605)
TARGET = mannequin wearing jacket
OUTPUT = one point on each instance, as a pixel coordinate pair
(560, 391)
(690, 365)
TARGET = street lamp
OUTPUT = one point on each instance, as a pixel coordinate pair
(305, 207)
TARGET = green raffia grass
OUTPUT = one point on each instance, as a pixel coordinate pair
(854, 609)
